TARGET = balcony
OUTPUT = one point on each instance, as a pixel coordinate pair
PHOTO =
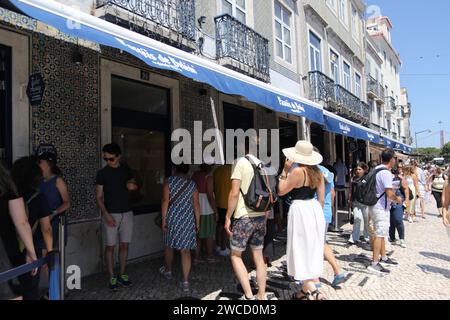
(168, 21)
(375, 90)
(401, 113)
(390, 105)
(240, 48)
(321, 87)
(337, 98)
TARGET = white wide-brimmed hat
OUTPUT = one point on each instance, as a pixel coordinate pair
(303, 153)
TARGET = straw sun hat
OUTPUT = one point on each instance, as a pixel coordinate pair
(303, 153)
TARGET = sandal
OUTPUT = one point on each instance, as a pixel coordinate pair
(316, 295)
(306, 296)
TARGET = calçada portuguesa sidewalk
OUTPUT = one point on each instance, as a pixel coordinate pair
(423, 273)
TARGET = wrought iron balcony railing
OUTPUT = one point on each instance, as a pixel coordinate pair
(240, 47)
(384, 131)
(321, 87)
(373, 87)
(348, 102)
(390, 105)
(337, 98)
(382, 93)
(172, 20)
(365, 112)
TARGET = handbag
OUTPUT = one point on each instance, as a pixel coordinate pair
(158, 218)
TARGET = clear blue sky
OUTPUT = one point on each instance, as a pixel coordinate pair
(421, 36)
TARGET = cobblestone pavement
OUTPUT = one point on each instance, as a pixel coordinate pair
(423, 273)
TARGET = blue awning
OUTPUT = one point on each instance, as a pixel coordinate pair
(397, 145)
(339, 125)
(161, 56)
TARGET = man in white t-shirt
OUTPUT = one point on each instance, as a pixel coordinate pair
(380, 213)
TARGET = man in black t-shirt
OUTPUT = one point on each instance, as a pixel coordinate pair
(112, 185)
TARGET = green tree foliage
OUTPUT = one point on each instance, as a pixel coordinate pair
(446, 150)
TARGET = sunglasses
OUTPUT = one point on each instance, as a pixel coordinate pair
(109, 159)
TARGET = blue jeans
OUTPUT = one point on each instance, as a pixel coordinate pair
(360, 214)
(397, 222)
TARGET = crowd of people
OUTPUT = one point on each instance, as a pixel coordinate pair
(33, 197)
(207, 214)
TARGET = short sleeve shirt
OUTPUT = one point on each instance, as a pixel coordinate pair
(7, 229)
(384, 181)
(222, 185)
(329, 186)
(114, 182)
(243, 171)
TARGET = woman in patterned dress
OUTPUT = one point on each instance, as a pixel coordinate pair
(180, 221)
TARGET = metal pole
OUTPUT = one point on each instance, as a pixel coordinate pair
(417, 149)
(62, 280)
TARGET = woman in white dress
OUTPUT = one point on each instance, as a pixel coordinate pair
(306, 221)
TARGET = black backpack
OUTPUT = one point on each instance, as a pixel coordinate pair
(262, 192)
(366, 188)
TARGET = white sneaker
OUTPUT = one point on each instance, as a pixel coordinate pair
(410, 220)
(185, 287)
(402, 243)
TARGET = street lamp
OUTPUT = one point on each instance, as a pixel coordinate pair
(427, 131)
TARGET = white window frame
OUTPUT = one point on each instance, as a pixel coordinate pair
(339, 64)
(355, 23)
(234, 7)
(360, 85)
(333, 5)
(343, 13)
(311, 30)
(283, 26)
(345, 62)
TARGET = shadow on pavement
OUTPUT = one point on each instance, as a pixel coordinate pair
(433, 255)
(432, 269)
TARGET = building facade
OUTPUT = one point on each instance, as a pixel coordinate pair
(95, 94)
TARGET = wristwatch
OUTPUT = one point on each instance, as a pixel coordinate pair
(282, 177)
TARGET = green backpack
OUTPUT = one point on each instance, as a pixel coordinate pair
(35, 225)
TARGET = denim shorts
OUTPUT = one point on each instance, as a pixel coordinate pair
(248, 231)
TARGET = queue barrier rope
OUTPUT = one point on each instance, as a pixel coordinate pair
(55, 262)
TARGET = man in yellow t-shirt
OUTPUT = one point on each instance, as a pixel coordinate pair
(222, 187)
(249, 227)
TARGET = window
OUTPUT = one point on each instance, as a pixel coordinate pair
(385, 57)
(236, 8)
(343, 11)
(379, 116)
(334, 65)
(283, 44)
(358, 85)
(315, 52)
(332, 4)
(355, 23)
(141, 126)
(347, 77)
(392, 65)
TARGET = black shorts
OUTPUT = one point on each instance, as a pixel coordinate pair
(222, 214)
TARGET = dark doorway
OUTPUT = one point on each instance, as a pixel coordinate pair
(236, 117)
(288, 133)
(5, 106)
(318, 137)
(141, 126)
